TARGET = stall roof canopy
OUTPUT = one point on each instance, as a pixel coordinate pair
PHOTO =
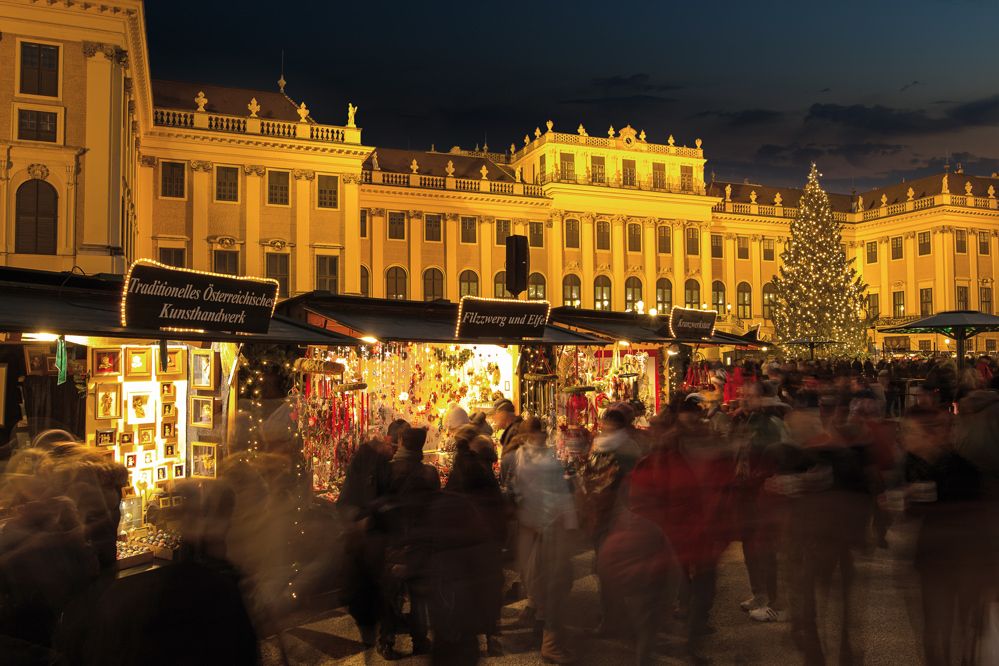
(633, 327)
(72, 304)
(953, 324)
(403, 321)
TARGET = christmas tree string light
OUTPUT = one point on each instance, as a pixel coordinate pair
(819, 295)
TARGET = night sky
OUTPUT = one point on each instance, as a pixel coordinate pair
(873, 91)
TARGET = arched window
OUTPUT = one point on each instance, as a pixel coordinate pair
(602, 293)
(571, 291)
(572, 233)
(769, 300)
(632, 293)
(692, 294)
(364, 281)
(603, 235)
(718, 296)
(395, 283)
(35, 226)
(744, 301)
(634, 237)
(468, 284)
(499, 286)
(433, 284)
(664, 296)
(536, 287)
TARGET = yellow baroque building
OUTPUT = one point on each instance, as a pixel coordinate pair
(101, 164)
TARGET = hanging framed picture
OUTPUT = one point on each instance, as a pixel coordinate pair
(169, 450)
(107, 401)
(105, 437)
(146, 435)
(131, 460)
(178, 499)
(50, 365)
(203, 369)
(202, 412)
(36, 359)
(141, 408)
(203, 463)
(162, 473)
(168, 411)
(168, 391)
(178, 471)
(138, 363)
(147, 457)
(107, 362)
(168, 430)
(126, 438)
(175, 365)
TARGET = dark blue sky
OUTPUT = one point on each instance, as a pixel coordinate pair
(873, 91)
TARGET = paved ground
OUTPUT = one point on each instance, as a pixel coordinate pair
(886, 596)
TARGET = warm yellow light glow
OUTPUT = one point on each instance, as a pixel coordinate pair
(653, 312)
(40, 337)
(764, 348)
(624, 343)
(371, 340)
(640, 306)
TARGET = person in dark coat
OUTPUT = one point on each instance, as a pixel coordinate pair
(504, 417)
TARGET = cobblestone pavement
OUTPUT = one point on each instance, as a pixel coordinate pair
(885, 595)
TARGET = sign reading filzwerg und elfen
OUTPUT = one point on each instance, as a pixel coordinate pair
(691, 324)
(160, 297)
(506, 319)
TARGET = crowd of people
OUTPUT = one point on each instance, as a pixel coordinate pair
(809, 466)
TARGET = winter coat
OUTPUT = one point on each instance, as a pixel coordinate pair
(635, 556)
(601, 480)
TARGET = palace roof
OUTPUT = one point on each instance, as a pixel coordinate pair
(435, 164)
(224, 100)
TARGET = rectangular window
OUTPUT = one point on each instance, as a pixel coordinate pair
(687, 178)
(603, 235)
(873, 306)
(742, 247)
(898, 303)
(768, 249)
(664, 240)
(226, 262)
(502, 231)
(960, 241)
(598, 172)
(172, 179)
(329, 191)
(716, 246)
(37, 125)
(468, 230)
(364, 223)
(277, 188)
(39, 69)
(659, 175)
(693, 241)
(226, 183)
(925, 302)
(923, 241)
(396, 225)
(925, 345)
(542, 176)
(872, 252)
(629, 175)
(173, 256)
(432, 228)
(326, 273)
(962, 298)
(985, 300)
(990, 344)
(567, 166)
(276, 268)
(896, 247)
(536, 234)
(983, 242)
(634, 238)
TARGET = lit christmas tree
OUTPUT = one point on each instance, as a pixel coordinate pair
(819, 295)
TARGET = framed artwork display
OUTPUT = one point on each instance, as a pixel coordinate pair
(202, 409)
(146, 435)
(107, 362)
(169, 450)
(175, 365)
(141, 408)
(131, 460)
(203, 462)
(147, 457)
(36, 359)
(126, 438)
(164, 501)
(162, 473)
(168, 430)
(50, 365)
(128, 491)
(203, 369)
(168, 391)
(178, 471)
(146, 476)
(105, 437)
(178, 499)
(107, 401)
(168, 410)
(138, 362)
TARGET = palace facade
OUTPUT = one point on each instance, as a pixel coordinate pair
(101, 164)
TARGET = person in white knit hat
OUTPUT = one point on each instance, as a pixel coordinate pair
(454, 418)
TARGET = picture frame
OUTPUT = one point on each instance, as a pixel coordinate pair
(131, 460)
(165, 502)
(178, 471)
(147, 457)
(202, 412)
(168, 391)
(128, 491)
(162, 473)
(146, 435)
(175, 365)
(202, 369)
(177, 500)
(107, 401)
(50, 365)
(107, 362)
(141, 408)
(168, 411)
(146, 476)
(138, 363)
(168, 430)
(203, 460)
(105, 437)
(36, 359)
(170, 450)
(126, 438)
